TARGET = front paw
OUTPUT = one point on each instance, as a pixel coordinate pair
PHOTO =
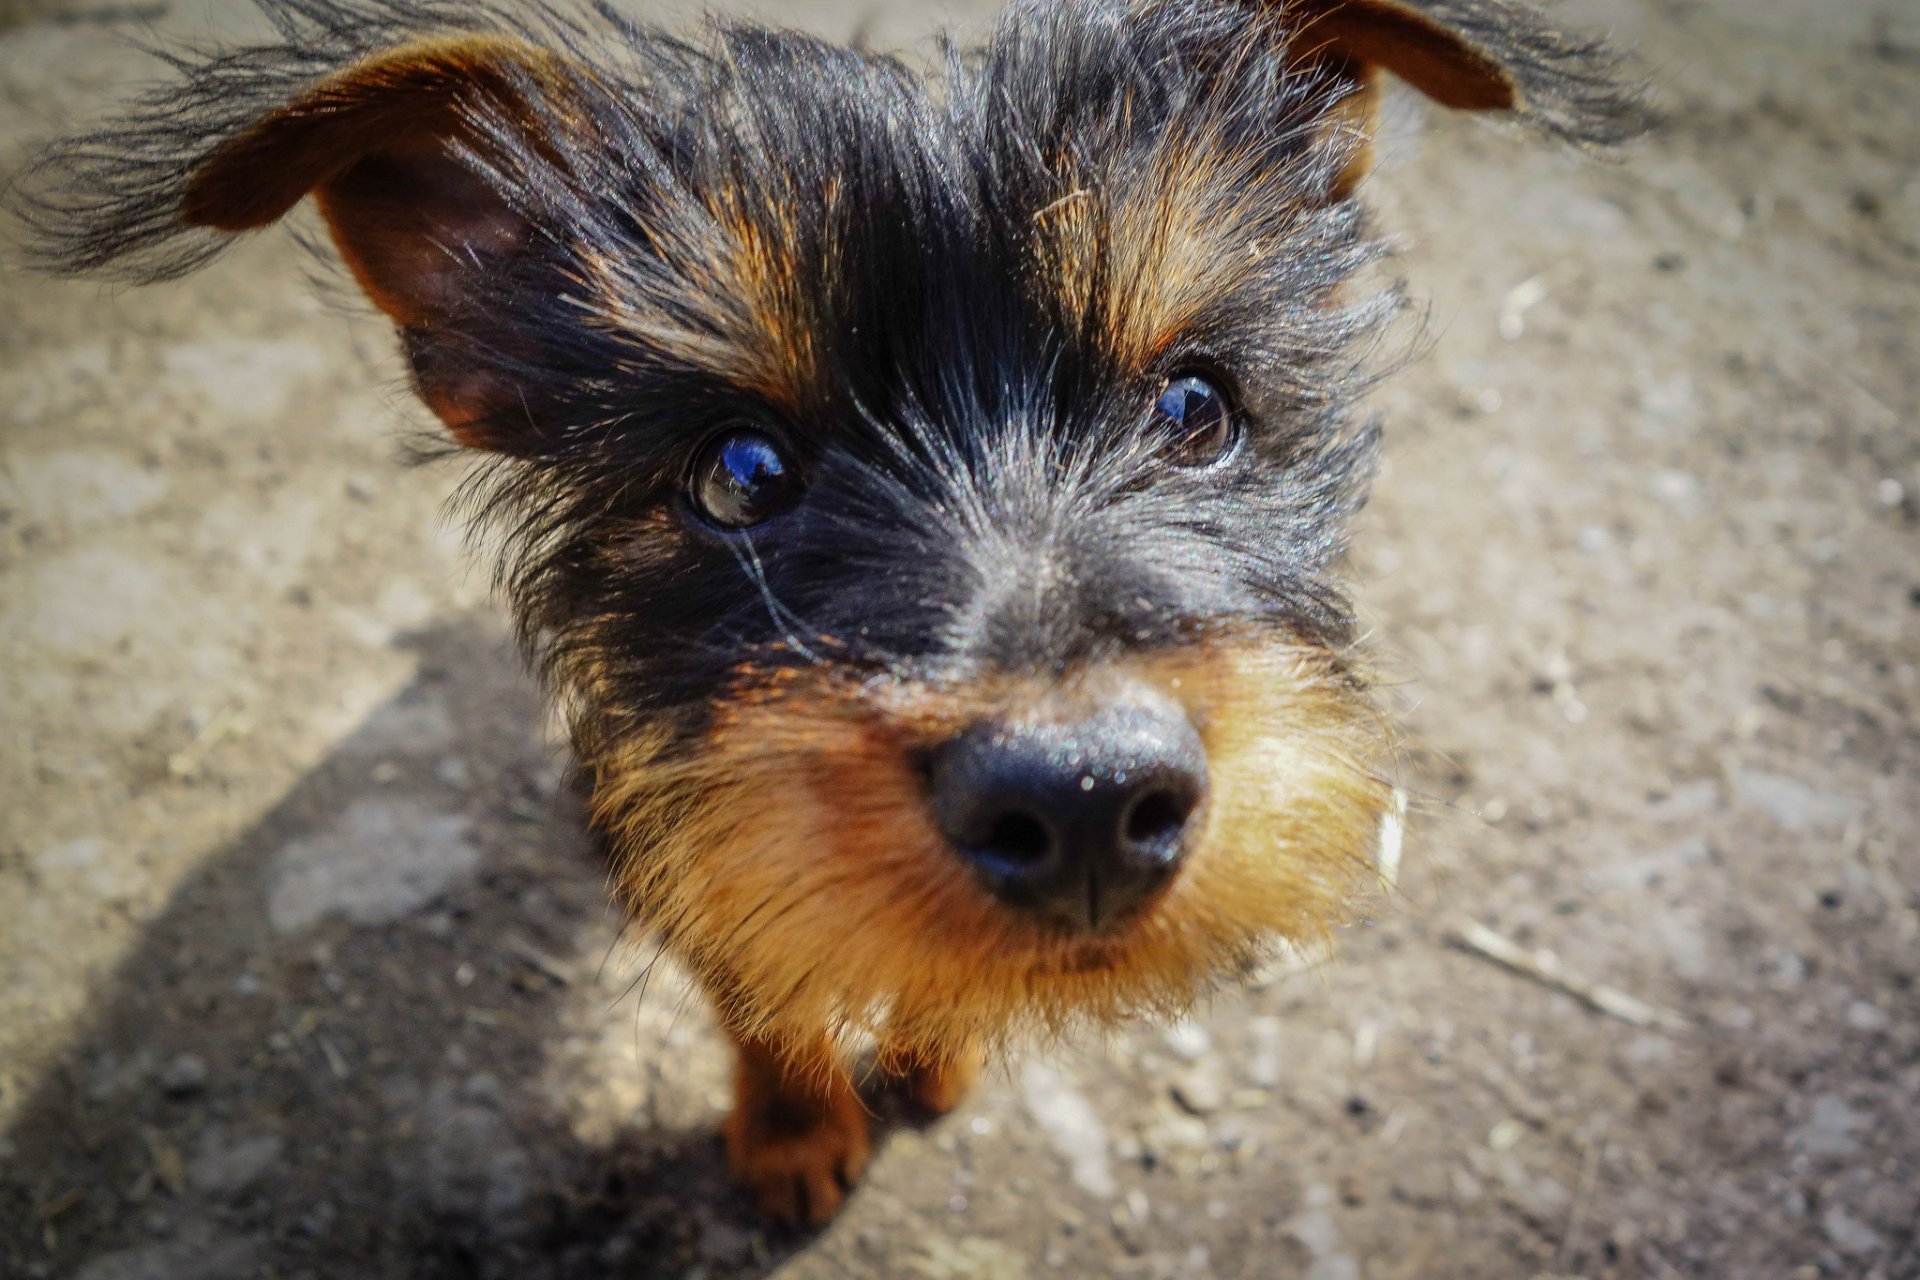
(935, 1088)
(798, 1146)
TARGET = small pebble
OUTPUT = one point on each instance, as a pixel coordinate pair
(1675, 486)
(1833, 1128)
(185, 1076)
(317, 1219)
(1199, 1093)
(1863, 1015)
(1189, 1041)
(1850, 1235)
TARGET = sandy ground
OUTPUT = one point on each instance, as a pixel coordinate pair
(305, 971)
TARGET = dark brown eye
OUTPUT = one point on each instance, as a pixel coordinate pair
(1193, 417)
(743, 478)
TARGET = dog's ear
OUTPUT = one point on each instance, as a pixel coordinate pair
(1470, 55)
(393, 145)
(379, 145)
(376, 145)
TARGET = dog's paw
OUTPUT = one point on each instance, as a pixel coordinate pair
(799, 1156)
(935, 1089)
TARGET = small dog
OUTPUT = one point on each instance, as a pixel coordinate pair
(923, 493)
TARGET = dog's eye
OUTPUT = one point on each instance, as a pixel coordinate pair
(1193, 417)
(742, 478)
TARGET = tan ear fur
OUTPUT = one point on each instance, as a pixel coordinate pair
(1362, 38)
(372, 144)
(1358, 113)
(1470, 55)
(1439, 62)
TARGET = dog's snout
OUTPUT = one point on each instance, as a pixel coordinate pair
(1079, 822)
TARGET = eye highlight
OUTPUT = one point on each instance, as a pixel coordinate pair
(742, 478)
(1195, 421)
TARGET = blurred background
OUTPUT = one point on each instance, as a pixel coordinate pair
(306, 971)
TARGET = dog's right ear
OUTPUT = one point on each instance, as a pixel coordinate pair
(393, 146)
(376, 146)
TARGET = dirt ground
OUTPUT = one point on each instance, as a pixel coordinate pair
(306, 971)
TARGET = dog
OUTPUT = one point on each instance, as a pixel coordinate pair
(924, 492)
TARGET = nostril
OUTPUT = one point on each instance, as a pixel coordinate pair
(1020, 839)
(1082, 822)
(1158, 818)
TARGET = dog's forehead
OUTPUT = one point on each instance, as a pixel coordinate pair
(866, 225)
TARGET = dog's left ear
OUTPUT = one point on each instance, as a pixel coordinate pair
(1470, 55)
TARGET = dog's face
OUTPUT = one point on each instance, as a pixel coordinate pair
(966, 654)
(924, 493)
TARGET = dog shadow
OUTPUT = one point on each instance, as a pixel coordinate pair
(382, 1033)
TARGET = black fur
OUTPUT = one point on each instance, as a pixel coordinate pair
(982, 488)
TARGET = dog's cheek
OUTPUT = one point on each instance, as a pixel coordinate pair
(786, 857)
(1299, 762)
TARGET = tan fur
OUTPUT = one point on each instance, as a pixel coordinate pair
(1357, 115)
(396, 98)
(371, 144)
(737, 310)
(934, 1086)
(796, 1138)
(1164, 242)
(777, 329)
(1138, 260)
(791, 860)
(1439, 62)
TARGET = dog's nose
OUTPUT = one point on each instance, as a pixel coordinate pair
(1077, 822)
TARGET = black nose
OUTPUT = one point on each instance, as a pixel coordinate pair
(1078, 822)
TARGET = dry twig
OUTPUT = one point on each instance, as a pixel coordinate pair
(1545, 968)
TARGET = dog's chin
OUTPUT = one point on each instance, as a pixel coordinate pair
(1058, 948)
(1089, 957)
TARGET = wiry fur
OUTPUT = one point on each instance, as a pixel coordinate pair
(794, 854)
(954, 300)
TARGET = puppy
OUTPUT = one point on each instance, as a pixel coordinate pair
(923, 493)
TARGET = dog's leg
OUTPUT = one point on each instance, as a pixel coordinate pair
(798, 1133)
(934, 1085)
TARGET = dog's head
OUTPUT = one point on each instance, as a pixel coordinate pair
(924, 489)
